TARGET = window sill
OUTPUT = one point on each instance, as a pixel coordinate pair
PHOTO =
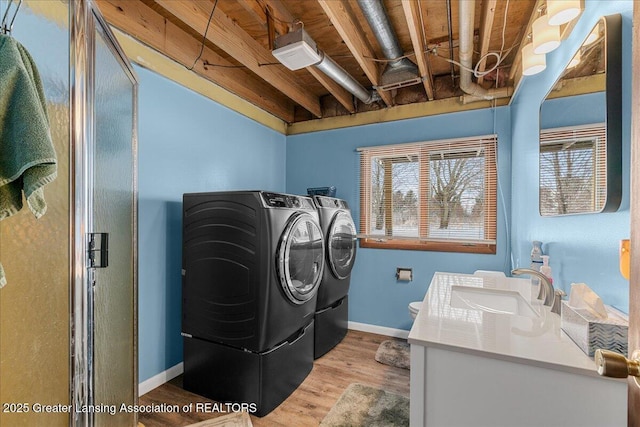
(415, 245)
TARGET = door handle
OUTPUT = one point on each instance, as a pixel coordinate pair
(615, 365)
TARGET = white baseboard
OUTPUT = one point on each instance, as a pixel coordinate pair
(157, 380)
(381, 330)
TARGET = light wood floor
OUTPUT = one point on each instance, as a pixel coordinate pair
(351, 361)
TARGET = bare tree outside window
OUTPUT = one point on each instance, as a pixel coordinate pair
(567, 178)
(438, 195)
(457, 182)
(395, 208)
(573, 169)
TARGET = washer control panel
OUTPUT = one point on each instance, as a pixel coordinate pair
(277, 200)
(330, 202)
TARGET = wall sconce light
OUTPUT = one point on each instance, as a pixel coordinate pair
(545, 37)
(532, 63)
(562, 11)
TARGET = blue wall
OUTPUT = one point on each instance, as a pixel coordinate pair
(330, 158)
(583, 248)
(187, 143)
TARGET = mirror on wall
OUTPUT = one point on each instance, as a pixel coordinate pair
(581, 128)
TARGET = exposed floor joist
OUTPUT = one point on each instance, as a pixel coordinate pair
(228, 36)
(139, 20)
(413, 14)
(259, 8)
(237, 55)
(344, 97)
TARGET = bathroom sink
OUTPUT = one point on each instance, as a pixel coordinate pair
(497, 301)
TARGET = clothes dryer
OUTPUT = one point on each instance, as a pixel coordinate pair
(252, 263)
(339, 231)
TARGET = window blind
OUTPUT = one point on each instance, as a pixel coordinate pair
(573, 169)
(430, 192)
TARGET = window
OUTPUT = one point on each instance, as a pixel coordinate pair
(435, 195)
(573, 170)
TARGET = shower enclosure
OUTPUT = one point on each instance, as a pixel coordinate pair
(68, 314)
(104, 289)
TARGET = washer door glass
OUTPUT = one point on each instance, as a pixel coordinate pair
(301, 258)
(342, 245)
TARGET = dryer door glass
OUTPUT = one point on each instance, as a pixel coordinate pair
(301, 258)
(342, 245)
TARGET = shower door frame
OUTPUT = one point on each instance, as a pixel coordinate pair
(85, 21)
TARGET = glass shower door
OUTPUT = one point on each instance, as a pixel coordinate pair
(114, 213)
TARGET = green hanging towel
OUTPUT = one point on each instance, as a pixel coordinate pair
(27, 156)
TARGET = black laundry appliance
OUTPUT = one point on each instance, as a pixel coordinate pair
(332, 306)
(252, 263)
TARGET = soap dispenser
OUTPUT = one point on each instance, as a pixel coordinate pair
(536, 254)
(545, 268)
(536, 260)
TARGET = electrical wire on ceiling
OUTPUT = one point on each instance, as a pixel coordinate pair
(206, 64)
(473, 70)
(288, 23)
(499, 56)
(204, 37)
(381, 60)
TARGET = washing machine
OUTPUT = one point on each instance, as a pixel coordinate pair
(332, 305)
(252, 264)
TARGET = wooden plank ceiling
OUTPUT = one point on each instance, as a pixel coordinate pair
(229, 42)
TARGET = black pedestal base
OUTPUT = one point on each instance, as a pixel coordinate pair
(331, 326)
(260, 381)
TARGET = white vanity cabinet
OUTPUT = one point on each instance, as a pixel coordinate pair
(482, 366)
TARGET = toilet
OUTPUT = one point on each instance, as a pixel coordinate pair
(414, 307)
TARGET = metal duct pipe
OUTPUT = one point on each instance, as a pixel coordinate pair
(344, 79)
(400, 69)
(377, 17)
(465, 51)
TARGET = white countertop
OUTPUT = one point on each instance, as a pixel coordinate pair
(535, 341)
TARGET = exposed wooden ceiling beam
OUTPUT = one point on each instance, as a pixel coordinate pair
(144, 24)
(343, 19)
(283, 17)
(258, 8)
(228, 36)
(412, 12)
(486, 26)
(343, 96)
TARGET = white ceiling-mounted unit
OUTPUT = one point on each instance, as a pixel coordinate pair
(296, 50)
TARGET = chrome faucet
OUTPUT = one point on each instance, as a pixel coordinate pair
(546, 288)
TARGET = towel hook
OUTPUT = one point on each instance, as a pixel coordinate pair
(7, 24)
